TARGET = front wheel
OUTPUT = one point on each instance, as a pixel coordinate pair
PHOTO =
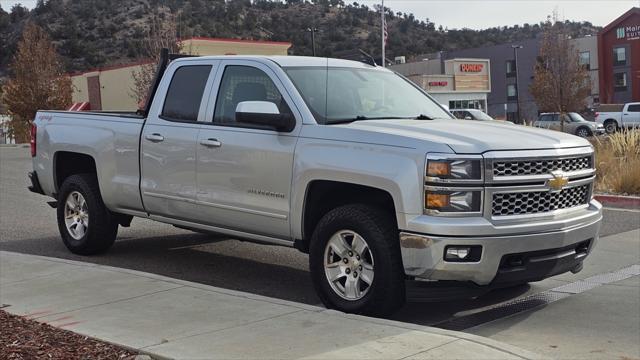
(583, 132)
(355, 261)
(86, 225)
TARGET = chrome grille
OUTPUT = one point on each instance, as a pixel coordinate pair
(522, 203)
(539, 167)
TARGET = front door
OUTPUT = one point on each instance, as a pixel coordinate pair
(244, 171)
(631, 117)
(168, 145)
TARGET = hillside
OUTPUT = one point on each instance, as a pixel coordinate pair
(92, 33)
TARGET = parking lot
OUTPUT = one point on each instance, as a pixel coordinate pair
(594, 318)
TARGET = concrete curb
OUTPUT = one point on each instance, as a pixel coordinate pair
(619, 201)
(507, 349)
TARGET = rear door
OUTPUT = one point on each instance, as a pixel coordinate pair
(631, 116)
(245, 172)
(169, 138)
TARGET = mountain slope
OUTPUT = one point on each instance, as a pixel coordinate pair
(92, 33)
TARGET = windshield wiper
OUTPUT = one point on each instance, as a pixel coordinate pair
(423, 117)
(362, 117)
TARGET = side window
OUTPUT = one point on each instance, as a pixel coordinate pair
(546, 117)
(634, 108)
(244, 83)
(185, 93)
(555, 117)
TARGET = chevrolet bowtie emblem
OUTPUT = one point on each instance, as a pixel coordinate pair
(558, 182)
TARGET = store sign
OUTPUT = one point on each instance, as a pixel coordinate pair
(631, 32)
(438, 83)
(471, 67)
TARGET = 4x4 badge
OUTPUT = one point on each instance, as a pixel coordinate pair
(559, 181)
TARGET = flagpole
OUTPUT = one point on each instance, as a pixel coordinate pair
(382, 33)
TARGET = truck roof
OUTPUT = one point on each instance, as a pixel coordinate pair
(291, 61)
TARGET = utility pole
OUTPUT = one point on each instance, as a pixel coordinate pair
(383, 23)
(313, 31)
(515, 57)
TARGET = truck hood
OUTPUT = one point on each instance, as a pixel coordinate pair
(472, 137)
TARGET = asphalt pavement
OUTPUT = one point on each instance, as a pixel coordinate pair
(28, 225)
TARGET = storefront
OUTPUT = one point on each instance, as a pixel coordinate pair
(456, 83)
(619, 58)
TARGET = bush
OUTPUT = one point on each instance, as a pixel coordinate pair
(618, 163)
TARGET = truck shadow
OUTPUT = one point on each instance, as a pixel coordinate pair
(263, 270)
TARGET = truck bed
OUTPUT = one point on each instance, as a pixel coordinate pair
(111, 139)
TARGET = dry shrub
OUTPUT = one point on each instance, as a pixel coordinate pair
(618, 163)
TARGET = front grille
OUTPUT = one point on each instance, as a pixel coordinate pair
(539, 167)
(522, 203)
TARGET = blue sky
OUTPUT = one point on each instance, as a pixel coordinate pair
(479, 14)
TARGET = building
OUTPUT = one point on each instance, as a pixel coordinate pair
(459, 83)
(510, 86)
(110, 88)
(619, 58)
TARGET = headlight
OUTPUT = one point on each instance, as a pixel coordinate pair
(442, 200)
(442, 169)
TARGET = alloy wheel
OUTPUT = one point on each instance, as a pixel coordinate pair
(348, 265)
(76, 215)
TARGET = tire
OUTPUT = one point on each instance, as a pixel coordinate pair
(610, 126)
(96, 227)
(386, 292)
(583, 132)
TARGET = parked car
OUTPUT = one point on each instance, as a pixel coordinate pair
(615, 117)
(574, 123)
(471, 114)
(378, 187)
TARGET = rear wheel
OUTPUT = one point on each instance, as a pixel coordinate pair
(355, 261)
(87, 227)
(610, 126)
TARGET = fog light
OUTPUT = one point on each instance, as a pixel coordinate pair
(457, 253)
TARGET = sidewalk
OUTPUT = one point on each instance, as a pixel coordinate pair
(169, 318)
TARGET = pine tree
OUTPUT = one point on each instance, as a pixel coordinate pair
(37, 82)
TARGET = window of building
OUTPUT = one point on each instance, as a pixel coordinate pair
(512, 92)
(585, 59)
(511, 68)
(185, 93)
(466, 104)
(620, 81)
(619, 56)
(245, 83)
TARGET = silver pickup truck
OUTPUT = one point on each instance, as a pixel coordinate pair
(350, 163)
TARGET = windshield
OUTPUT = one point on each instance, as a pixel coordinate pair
(575, 117)
(479, 115)
(337, 95)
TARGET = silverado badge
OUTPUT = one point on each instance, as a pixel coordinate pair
(559, 181)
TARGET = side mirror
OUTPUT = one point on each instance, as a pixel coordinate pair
(264, 113)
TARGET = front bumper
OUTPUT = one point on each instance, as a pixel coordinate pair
(538, 254)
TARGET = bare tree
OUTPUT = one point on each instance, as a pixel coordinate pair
(163, 33)
(560, 84)
(37, 81)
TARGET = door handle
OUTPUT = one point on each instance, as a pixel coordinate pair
(155, 137)
(210, 143)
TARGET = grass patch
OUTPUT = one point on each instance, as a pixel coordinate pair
(618, 163)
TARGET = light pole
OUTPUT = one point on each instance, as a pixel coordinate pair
(313, 31)
(515, 57)
(383, 23)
